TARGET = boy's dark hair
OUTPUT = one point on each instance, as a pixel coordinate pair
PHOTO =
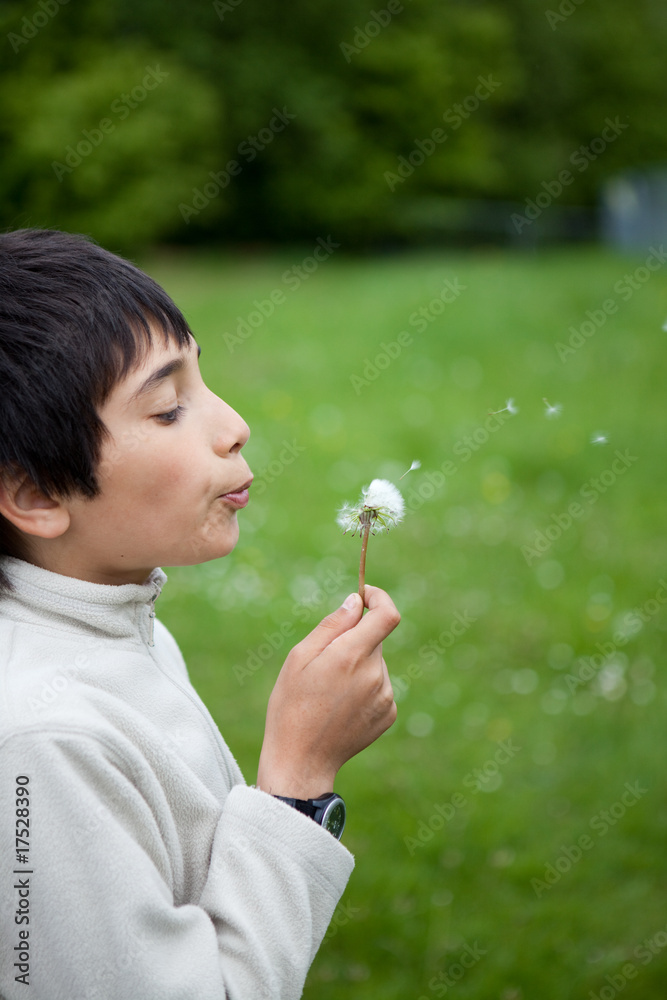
(74, 321)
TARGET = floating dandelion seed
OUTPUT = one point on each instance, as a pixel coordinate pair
(380, 508)
(598, 438)
(552, 411)
(415, 465)
(509, 406)
(664, 326)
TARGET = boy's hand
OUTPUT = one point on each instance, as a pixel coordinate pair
(332, 698)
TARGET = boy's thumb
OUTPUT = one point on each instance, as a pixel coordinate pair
(345, 617)
(353, 602)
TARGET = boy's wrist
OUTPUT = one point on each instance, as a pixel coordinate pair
(290, 785)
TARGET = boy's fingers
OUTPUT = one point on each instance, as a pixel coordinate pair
(335, 624)
(381, 619)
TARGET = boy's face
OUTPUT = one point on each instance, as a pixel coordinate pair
(172, 480)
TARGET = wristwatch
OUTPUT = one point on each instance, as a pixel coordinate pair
(327, 810)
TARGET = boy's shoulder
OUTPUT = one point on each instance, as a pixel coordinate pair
(51, 678)
(135, 705)
(74, 653)
(93, 659)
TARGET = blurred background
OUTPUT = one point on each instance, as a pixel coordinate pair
(383, 224)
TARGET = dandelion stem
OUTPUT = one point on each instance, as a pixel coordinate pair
(362, 561)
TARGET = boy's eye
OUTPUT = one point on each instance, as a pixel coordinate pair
(170, 417)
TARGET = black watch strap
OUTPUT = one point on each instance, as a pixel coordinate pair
(327, 811)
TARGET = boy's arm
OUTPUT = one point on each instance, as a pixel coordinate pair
(99, 893)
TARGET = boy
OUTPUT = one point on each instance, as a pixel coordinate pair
(136, 863)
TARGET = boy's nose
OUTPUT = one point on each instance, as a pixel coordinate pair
(233, 431)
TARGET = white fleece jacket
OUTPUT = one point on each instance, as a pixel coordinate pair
(149, 870)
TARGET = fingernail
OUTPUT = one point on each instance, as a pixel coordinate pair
(350, 602)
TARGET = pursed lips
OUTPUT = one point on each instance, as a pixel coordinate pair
(239, 489)
(239, 496)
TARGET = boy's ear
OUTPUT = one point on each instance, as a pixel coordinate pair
(28, 509)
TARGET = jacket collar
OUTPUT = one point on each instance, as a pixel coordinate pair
(43, 597)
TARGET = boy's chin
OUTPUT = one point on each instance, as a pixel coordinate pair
(205, 549)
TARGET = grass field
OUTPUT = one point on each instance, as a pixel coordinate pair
(509, 830)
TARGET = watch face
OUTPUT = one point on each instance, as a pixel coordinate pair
(334, 819)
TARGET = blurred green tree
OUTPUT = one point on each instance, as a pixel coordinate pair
(368, 88)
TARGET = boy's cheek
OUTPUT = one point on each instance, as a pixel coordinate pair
(118, 450)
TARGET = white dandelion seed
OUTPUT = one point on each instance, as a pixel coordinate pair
(415, 465)
(380, 507)
(664, 326)
(509, 407)
(552, 411)
(598, 438)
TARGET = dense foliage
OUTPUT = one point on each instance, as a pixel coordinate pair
(388, 112)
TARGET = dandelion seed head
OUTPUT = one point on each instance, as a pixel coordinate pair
(381, 505)
(383, 496)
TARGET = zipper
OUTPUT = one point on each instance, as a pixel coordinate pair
(151, 618)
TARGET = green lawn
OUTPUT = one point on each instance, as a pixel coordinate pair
(489, 651)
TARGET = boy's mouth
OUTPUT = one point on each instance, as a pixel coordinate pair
(237, 498)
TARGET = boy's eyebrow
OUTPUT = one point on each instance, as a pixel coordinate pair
(158, 376)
